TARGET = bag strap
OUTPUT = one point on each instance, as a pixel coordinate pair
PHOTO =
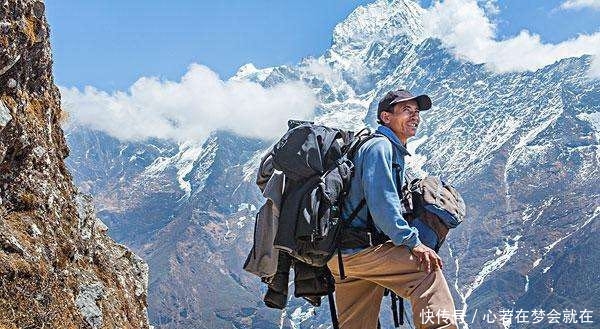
(395, 310)
(331, 283)
(334, 319)
(345, 224)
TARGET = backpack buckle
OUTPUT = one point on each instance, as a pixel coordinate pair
(370, 236)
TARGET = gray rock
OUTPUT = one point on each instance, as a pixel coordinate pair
(38, 9)
(12, 83)
(5, 116)
(34, 231)
(86, 302)
(39, 151)
(11, 244)
(9, 65)
(99, 226)
(141, 269)
(85, 212)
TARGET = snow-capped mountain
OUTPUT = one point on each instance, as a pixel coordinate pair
(523, 149)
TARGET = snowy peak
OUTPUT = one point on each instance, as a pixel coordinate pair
(366, 41)
(251, 73)
(381, 20)
(246, 69)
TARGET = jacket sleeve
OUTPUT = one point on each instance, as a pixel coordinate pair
(381, 195)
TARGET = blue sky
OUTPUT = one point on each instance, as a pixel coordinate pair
(110, 44)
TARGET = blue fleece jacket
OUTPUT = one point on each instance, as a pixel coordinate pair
(379, 164)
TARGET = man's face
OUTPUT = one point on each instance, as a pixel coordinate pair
(404, 120)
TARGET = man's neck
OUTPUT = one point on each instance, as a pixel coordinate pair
(402, 139)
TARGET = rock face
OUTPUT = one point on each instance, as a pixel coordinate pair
(58, 267)
(523, 149)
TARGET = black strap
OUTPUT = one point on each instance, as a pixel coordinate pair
(341, 264)
(334, 318)
(330, 289)
(396, 168)
(395, 311)
(401, 310)
(355, 212)
(346, 224)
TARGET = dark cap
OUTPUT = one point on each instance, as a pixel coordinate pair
(401, 95)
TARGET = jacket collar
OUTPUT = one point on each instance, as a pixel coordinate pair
(387, 132)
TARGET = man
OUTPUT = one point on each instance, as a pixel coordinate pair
(403, 265)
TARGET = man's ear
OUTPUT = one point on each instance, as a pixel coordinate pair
(385, 117)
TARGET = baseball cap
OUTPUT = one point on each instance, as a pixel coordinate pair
(401, 95)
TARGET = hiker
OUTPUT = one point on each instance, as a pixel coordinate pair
(392, 258)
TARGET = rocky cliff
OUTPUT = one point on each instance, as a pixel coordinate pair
(58, 267)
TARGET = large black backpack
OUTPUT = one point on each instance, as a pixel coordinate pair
(316, 162)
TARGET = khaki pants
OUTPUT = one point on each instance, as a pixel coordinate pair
(358, 297)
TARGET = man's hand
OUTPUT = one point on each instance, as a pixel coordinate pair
(427, 257)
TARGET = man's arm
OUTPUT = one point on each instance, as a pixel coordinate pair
(381, 195)
(384, 204)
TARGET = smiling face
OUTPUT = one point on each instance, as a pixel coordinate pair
(403, 119)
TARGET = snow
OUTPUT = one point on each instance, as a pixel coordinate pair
(547, 203)
(298, 316)
(123, 148)
(241, 221)
(228, 234)
(524, 153)
(551, 246)
(249, 71)
(188, 153)
(250, 168)
(417, 161)
(579, 227)
(380, 20)
(349, 118)
(246, 69)
(246, 206)
(545, 123)
(204, 163)
(463, 297)
(510, 248)
(183, 161)
(158, 165)
(594, 119)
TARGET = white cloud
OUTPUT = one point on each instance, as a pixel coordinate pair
(463, 27)
(581, 4)
(323, 70)
(191, 108)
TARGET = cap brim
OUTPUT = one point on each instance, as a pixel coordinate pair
(423, 101)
